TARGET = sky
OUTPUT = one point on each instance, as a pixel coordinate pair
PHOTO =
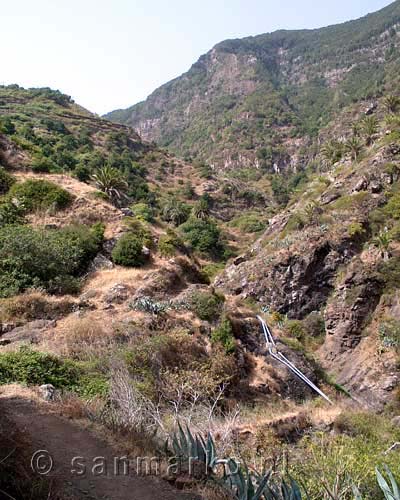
(111, 54)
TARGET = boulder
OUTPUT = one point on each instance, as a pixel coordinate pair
(117, 294)
(101, 262)
(29, 332)
(396, 421)
(48, 392)
(127, 212)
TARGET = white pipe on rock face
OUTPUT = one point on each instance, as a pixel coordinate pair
(269, 339)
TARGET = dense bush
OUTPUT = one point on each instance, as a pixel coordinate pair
(203, 235)
(140, 229)
(295, 329)
(82, 173)
(128, 251)
(249, 223)
(207, 305)
(39, 195)
(43, 164)
(33, 367)
(169, 244)
(223, 334)
(50, 259)
(6, 181)
(10, 214)
(143, 211)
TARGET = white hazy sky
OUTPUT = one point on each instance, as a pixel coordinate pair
(111, 54)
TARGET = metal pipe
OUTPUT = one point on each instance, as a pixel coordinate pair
(283, 360)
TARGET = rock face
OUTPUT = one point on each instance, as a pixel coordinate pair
(294, 284)
(30, 332)
(349, 310)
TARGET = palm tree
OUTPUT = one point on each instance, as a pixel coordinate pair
(201, 209)
(332, 151)
(354, 147)
(175, 212)
(382, 241)
(111, 182)
(312, 212)
(369, 129)
(391, 103)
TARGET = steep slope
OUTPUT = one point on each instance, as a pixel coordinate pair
(256, 101)
(330, 259)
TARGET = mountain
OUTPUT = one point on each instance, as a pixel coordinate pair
(260, 101)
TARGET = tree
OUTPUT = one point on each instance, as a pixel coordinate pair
(111, 182)
(203, 235)
(201, 209)
(332, 151)
(382, 241)
(354, 147)
(369, 129)
(175, 212)
(391, 103)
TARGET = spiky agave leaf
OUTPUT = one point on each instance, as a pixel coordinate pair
(390, 494)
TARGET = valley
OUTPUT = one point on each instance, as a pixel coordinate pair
(138, 249)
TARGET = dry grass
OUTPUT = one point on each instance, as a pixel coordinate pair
(82, 338)
(34, 305)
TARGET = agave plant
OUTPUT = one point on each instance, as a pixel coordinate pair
(391, 492)
(247, 485)
(147, 304)
(110, 181)
(187, 446)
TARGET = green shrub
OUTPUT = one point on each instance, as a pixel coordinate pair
(295, 222)
(314, 324)
(295, 329)
(355, 229)
(211, 270)
(31, 367)
(392, 209)
(128, 251)
(223, 334)
(169, 244)
(389, 332)
(43, 164)
(207, 305)
(34, 195)
(82, 173)
(389, 273)
(6, 181)
(143, 211)
(10, 214)
(140, 229)
(52, 259)
(249, 223)
(203, 235)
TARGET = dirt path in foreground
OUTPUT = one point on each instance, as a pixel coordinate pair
(63, 440)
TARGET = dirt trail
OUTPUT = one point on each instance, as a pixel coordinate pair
(64, 440)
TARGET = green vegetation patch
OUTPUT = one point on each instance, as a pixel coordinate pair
(50, 259)
(39, 194)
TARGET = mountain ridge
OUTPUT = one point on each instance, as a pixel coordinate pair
(257, 93)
